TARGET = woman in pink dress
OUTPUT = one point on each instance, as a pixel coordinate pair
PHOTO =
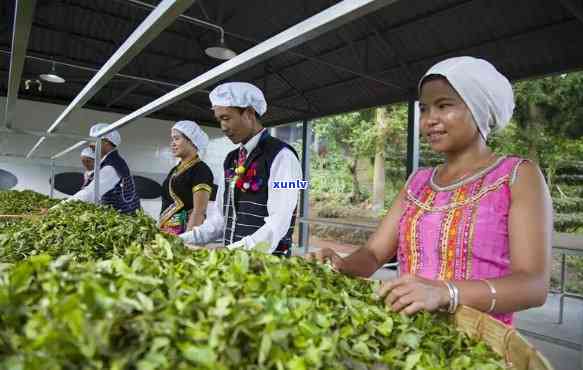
(474, 231)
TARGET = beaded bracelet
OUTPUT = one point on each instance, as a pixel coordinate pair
(493, 292)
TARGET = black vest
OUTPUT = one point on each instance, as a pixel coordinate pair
(123, 197)
(251, 206)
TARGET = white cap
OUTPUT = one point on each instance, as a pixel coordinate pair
(194, 133)
(239, 94)
(114, 137)
(487, 92)
(88, 152)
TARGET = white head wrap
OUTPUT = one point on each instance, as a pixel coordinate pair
(487, 93)
(114, 137)
(239, 94)
(194, 133)
(88, 152)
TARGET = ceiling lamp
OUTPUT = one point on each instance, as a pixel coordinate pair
(220, 51)
(52, 76)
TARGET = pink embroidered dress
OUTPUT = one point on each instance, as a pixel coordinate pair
(458, 232)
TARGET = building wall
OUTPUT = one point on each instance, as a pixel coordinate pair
(145, 146)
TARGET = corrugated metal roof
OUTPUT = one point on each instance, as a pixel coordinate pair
(373, 60)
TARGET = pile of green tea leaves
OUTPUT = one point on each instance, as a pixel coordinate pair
(22, 202)
(146, 302)
(84, 230)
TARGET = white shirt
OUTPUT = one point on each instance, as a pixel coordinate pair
(108, 178)
(281, 204)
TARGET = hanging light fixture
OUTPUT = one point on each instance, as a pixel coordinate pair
(52, 76)
(220, 51)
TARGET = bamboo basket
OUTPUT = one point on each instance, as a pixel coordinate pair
(503, 339)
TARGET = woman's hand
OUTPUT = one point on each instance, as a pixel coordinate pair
(327, 255)
(410, 294)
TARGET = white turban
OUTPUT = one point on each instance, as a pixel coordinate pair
(88, 152)
(194, 133)
(114, 137)
(239, 94)
(487, 93)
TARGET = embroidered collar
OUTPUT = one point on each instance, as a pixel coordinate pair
(183, 166)
(466, 180)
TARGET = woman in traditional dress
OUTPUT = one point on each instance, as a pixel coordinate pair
(474, 231)
(189, 186)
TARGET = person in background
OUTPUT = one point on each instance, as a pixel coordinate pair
(474, 231)
(251, 210)
(189, 185)
(116, 185)
(88, 162)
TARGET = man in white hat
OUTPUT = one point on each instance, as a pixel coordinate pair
(88, 162)
(116, 185)
(253, 207)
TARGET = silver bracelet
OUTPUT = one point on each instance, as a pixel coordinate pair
(451, 291)
(493, 293)
(456, 298)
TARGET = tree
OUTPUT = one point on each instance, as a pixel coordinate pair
(378, 187)
(548, 114)
(352, 135)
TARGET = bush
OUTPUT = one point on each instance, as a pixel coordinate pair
(569, 223)
(568, 205)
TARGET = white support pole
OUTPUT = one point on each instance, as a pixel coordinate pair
(327, 20)
(35, 147)
(52, 191)
(23, 15)
(96, 167)
(69, 149)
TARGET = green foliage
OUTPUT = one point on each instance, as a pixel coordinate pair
(559, 97)
(85, 230)
(568, 205)
(15, 202)
(569, 222)
(135, 299)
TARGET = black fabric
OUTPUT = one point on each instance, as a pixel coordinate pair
(182, 185)
(68, 182)
(7, 180)
(123, 197)
(251, 207)
(147, 188)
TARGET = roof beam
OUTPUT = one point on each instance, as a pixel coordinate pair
(160, 18)
(132, 87)
(24, 13)
(389, 48)
(94, 69)
(315, 59)
(574, 8)
(15, 131)
(328, 53)
(325, 21)
(69, 149)
(429, 58)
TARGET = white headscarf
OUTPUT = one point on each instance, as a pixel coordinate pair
(88, 152)
(114, 137)
(194, 133)
(487, 93)
(239, 94)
